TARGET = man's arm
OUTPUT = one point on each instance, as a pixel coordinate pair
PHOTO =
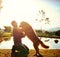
(21, 31)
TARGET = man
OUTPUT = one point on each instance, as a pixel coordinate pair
(18, 34)
(19, 49)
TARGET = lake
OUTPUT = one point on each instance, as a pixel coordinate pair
(48, 41)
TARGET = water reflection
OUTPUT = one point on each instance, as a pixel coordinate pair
(7, 44)
(51, 42)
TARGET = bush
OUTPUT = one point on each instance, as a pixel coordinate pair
(6, 34)
(58, 33)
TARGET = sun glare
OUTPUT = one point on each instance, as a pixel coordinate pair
(27, 10)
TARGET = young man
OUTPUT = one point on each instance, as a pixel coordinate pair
(17, 33)
(19, 49)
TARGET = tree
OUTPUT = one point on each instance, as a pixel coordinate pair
(43, 18)
(58, 33)
(7, 28)
(0, 4)
(1, 31)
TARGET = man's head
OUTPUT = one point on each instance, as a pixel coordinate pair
(14, 23)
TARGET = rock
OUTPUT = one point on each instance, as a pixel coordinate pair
(56, 41)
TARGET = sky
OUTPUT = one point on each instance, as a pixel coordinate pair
(28, 10)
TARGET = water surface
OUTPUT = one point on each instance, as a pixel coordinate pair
(50, 42)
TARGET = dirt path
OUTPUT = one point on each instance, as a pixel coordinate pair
(45, 53)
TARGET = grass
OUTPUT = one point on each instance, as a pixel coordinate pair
(45, 53)
(6, 34)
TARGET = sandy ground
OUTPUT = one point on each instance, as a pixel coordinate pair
(45, 53)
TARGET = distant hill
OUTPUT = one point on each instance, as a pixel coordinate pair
(54, 29)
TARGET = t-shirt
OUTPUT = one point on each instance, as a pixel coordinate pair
(17, 35)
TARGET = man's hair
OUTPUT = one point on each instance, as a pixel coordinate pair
(14, 23)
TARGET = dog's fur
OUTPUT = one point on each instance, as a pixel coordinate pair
(32, 36)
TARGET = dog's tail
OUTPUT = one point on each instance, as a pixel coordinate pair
(43, 45)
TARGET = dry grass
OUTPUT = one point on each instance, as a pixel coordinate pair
(45, 53)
